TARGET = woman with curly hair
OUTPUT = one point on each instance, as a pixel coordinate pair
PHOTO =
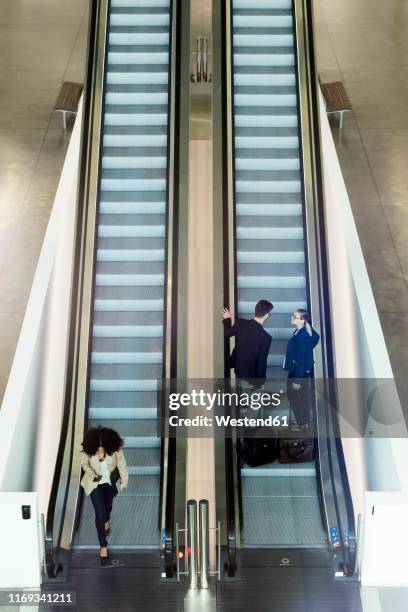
(103, 462)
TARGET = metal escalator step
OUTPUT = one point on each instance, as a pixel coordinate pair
(270, 282)
(137, 3)
(268, 97)
(267, 198)
(279, 506)
(273, 12)
(143, 457)
(269, 246)
(125, 399)
(136, 130)
(128, 331)
(131, 51)
(136, 77)
(265, 181)
(259, 4)
(129, 293)
(265, 20)
(131, 244)
(260, 154)
(266, 269)
(283, 531)
(132, 208)
(248, 221)
(138, 68)
(263, 90)
(267, 159)
(264, 210)
(131, 54)
(141, 16)
(129, 280)
(133, 196)
(123, 385)
(136, 152)
(124, 306)
(267, 133)
(261, 50)
(124, 174)
(281, 333)
(138, 29)
(274, 257)
(266, 30)
(143, 35)
(130, 267)
(130, 88)
(128, 231)
(137, 357)
(143, 485)
(266, 175)
(131, 317)
(113, 255)
(141, 179)
(126, 371)
(104, 414)
(269, 233)
(127, 345)
(283, 486)
(125, 531)
(141, 8)
(264, 70)
(130, 220)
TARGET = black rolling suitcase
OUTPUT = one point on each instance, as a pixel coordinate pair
(258, 451)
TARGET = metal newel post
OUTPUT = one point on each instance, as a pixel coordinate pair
(192, 542)
(204, 542)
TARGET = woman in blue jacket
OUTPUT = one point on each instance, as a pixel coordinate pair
(299, 364)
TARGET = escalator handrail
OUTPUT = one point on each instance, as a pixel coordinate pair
(230, 284)
(169, 447)
(349, 551)
(79, 253)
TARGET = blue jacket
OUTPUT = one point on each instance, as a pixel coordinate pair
(299, 353)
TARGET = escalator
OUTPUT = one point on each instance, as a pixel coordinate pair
(127, 334)
(280, 506)
(298, 514)
(123, 319)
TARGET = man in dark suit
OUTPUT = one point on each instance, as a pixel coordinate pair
(252, 343)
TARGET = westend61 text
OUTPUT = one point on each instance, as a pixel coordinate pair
(227, 421)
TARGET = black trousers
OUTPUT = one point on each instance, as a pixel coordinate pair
(300, 401)
(102, 500)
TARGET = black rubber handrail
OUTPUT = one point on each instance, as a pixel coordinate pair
(168, 536)
(349, 548)
(52, 545)
(231, 465)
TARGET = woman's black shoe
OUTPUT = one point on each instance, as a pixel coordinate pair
(103, 560)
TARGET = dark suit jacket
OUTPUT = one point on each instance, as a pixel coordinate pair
(252, 345)
(299, 353)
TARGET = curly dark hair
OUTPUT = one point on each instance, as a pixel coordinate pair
(101, 436)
